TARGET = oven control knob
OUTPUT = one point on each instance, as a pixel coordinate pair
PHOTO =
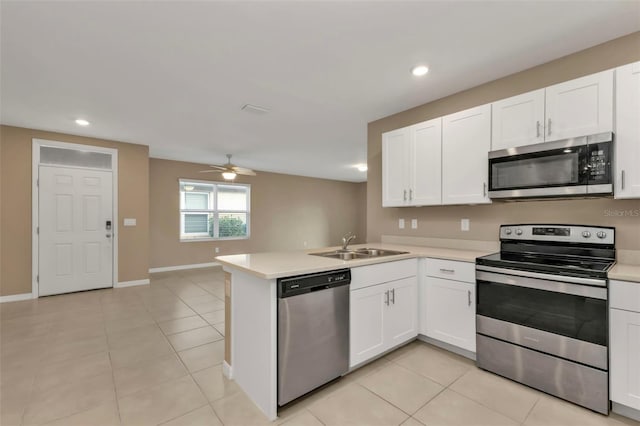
(518, 231)
(601, 234)
(586, 234)
(507, 231)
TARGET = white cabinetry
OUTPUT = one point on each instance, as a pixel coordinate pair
(448, 303)
(573, 108)
(518, 120)
(627, 138)
(466, 140)
(411, 164)
(383, 308)
(624, 335)
(579, 107)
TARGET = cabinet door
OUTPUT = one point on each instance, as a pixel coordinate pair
(451, 312)
(401, 322)
(627, 139)
(426, 163)
(395, 170)
(580, 107)
(466, 140)
(367, 312)
(518, 120)
(625, 357)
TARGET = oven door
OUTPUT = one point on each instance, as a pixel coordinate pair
(565, 319)
(541, 170)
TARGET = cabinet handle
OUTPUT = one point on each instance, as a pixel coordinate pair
(469, 297)
(405, 195)
(538, 129)
(622, 179)
(448, 271)
(549, 127)
(386, 297)
(410, 194)
(484, 189)
(393, 296)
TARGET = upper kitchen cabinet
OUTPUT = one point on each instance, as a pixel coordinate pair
(466, 141)
(411, 165)
(627, 135)
(579, 107)
(518, 120)
(395, 167)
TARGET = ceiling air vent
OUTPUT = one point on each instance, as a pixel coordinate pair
(255, 109)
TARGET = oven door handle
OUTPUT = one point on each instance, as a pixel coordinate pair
(539, 284)
(527, 274)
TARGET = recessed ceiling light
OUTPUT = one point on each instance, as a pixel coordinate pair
(420, 70)
(362, 167)
(82, 122)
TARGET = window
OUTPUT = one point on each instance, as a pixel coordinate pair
(210, 210)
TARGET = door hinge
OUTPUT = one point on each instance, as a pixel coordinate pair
(38, 279)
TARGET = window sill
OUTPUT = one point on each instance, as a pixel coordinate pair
(199, 240)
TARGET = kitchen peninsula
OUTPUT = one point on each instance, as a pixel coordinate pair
(252, 328)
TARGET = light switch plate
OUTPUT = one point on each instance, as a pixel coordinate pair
(414, 223)
(464, 224)
(401, 223)
(129, 221)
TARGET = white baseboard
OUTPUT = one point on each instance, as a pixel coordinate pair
(122, 284)
(227, 371)
(180, 267)
(16, 297)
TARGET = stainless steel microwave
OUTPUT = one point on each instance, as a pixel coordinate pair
(569, 167)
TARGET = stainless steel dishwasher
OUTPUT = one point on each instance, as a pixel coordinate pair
(313, 331)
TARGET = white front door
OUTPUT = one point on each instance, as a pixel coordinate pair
(75, 247)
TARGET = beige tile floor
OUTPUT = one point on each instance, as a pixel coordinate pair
(151, 355)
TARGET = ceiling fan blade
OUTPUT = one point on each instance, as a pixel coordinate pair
(209, 171)
(244, 171)
(214, 166)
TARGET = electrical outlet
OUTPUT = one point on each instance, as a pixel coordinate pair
(401, 223)
(217, 249)
(464, 224)
(414, 223)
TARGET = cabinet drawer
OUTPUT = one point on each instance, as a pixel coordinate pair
(365, 276)
(452, 270)
(624, 295)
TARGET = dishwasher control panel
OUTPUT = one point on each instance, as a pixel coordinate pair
(292, 286)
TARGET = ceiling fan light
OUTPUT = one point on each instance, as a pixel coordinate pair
(229, 175)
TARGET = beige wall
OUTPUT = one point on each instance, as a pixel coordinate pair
(286, 211)
(444, 221)
(15, 206)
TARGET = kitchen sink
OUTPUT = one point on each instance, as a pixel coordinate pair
(361, 253)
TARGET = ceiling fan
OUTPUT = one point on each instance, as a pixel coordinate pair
(229, 170)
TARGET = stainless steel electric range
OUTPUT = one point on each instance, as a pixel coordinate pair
(542, 312)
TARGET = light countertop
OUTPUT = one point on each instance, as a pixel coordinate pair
(625, 272)
(271, 265)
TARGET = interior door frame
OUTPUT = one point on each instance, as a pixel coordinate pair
(35, 205)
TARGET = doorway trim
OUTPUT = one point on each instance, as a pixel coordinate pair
(35, 207)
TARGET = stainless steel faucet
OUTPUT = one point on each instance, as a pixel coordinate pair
(347, 239)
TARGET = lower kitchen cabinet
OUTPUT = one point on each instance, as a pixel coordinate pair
(624, 341)
(449, 304)
(382, 316)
